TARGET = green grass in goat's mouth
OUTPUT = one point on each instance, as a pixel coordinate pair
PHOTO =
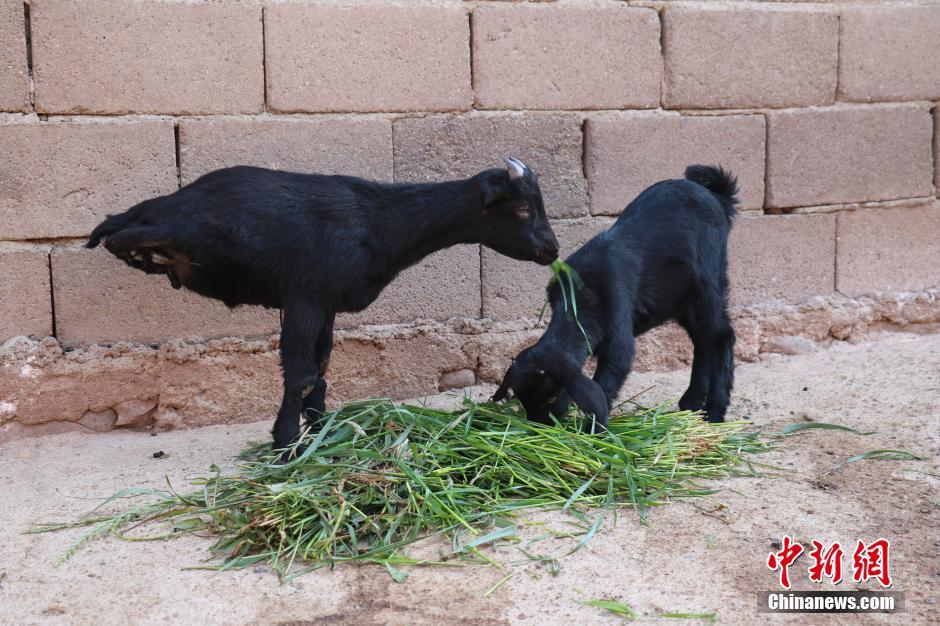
(380, 476)
(569, 282)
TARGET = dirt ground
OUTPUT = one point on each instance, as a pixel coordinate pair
(684, 561)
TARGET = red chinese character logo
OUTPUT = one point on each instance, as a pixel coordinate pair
(871, 562)
(826, 563)
(783, 559)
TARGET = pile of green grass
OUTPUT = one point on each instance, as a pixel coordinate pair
(379, 476)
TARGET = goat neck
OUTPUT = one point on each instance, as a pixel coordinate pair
(563, 336)
(418, 220)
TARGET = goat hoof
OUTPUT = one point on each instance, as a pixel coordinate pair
(285, 457)
(313, 419)
(689, 404)
(289, 453)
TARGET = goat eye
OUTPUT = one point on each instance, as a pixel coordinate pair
(553, 400)
(523, 212)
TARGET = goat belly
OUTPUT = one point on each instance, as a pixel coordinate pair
(228, 282)
(232, 284)
(355, 300)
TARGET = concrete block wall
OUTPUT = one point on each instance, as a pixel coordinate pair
(827, 111)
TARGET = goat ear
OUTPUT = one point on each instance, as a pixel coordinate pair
(516, 169)
(503, 392)
(589, 397)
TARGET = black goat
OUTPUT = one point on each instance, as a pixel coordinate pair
(664, 259)
(316, 245)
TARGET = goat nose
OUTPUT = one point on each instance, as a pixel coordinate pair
(552, 248)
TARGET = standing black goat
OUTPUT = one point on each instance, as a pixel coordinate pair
(664, 259)
(316, 245)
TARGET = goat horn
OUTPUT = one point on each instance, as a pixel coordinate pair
(516, 168)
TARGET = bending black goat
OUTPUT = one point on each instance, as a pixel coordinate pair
(664, 259)
(316, 245)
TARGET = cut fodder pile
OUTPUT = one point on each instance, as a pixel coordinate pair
(380, 476)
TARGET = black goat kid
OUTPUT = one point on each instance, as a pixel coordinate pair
(316, 245)
(664, 259)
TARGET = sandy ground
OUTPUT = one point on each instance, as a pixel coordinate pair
(684, 561)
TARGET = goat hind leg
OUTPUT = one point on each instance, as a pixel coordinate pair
(129, 240)
(721, 380)
(141, 247)
(314, 405)
(716, 337)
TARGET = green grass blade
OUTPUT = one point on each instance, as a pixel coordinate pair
(883, 455)
(617, 608)
(803, 426)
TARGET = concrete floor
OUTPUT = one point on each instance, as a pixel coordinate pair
(685, 560)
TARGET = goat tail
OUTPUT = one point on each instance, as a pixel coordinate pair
(719, 181)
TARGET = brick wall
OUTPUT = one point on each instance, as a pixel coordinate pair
(827, 111)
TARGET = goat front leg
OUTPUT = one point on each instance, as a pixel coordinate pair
(314, 405)
(303, 322)
(695, 395)
(614, 361)
(613, 367)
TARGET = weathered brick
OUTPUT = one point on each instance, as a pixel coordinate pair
(46, 384)
(447, 147)
(367, 58)
(936, 150)
(114, 56)
(355, 147)
(398, 365)
(555, 57)
(497, 349)
(770, 258)
(662, 349)
(13, 431)
(888, 250)
(218, 388)
(781, 257)
(25, 298)
(516, 289)
(443, 285)
(14, 82)
(99, 299)
(627, 152)
(890, 53)
(848, 154)
(749, 56)
(60, 179)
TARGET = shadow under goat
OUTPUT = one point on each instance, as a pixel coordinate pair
(315, 245)
(665, 258)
